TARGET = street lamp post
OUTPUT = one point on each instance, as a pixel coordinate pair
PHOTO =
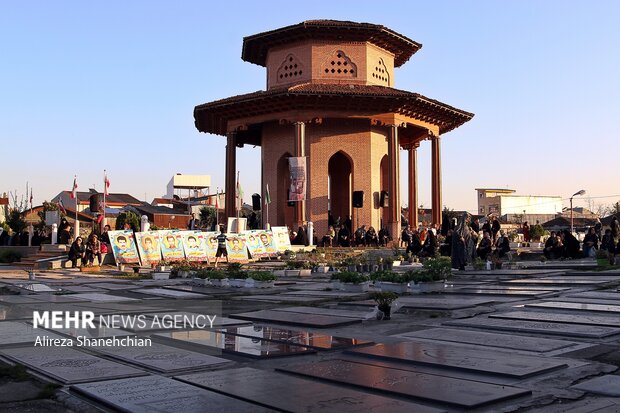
(582, 192)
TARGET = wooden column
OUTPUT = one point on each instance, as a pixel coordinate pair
(436, 180)
(393, 182)
(412, 150)
(300, 150)
(231, 173)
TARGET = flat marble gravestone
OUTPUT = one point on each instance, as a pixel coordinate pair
(608, 385)
(595, 320)
(104, 298)
(68, 365)
(18, 299)
(294, 394)
(553, 281)
(603, 295)
(509, 341)
(167, 293)
(99, 332)
(12, 332)
(428, 303)
(430, 387)
(314, 293)
(314, 340)
(81, 289)
(114, 286)
(243, 346)
(577, 306)
(507, 292)
(162, 358)
(52, 298)
(325, 311)
(282, 298)
(295, 319)
(517, 288)
(460, 358)
(161, 394)
(541, 327)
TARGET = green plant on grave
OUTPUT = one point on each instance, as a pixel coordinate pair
(262, 276)
(478, 263)
(350, 277)
(418, 276)
(8, 256)
(536, 231)
(384, 299)
(439, 268)
(235, 271)
(388, 276)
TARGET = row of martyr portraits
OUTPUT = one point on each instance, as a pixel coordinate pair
(151, 247)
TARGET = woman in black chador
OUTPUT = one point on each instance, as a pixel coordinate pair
(460, 243)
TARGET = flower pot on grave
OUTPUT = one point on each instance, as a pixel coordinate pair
(399, 288)
(184, 274)
(291, 273)
(396, 263)
(322, 269)
(386, 310)
(220, 282)
(355, 288)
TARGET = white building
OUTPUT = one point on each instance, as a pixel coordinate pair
(505, 202)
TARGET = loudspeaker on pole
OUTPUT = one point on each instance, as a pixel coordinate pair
(358, 199)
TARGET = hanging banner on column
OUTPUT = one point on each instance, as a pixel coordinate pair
(297, 167)
(124, 247)
(148, 246)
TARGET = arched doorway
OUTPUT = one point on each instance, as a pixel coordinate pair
(384, 170)
(340, 177)
(285, 213)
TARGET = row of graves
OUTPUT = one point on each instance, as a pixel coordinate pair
(151, 247)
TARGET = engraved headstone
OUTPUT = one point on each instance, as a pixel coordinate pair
(540, 327)
(210, 341)
(426, 387)
(294, 394)
(115, 286)
(508, 341)
(163, 395)
(12, 332)
(283, 317)
(68, 365)
(577, 306)
(595, 320)
(430, 303)
(460, 358)
(163, 358)
(608, 385)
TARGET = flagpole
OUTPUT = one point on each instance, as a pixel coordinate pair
(238, 201)
(105, 192)
(77, 222)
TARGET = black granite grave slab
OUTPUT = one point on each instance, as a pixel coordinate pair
(607, 385)
(602, 295)
(516, 288)
(555, 281)
(325, 311)
(210, 341)
(504, 292)
(577, 306)
(283, 298)
(540, 327)
(68, 365)
(163, 395)
(428, 303)
(594, 320)
(507, 341)
(310, 339)
(293, 394)
(422, 386)
(163, 358)
(318, 321)
(460, 358)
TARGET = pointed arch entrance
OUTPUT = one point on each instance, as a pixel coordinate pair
(340, 181)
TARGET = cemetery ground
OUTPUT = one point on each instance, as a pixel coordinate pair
(543, 338)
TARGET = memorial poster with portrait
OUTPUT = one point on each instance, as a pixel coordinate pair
(236, 248)
(211, 244)
(148, 246)
(297, 189)
(255, 247)
(171, 245)
(124, 247)
(281, 238)
(195, 245)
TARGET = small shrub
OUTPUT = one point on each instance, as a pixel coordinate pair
(350, 277)
(439, 268)
(385, 298)
(388, 276)
(261, 276)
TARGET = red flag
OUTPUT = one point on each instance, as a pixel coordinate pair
(106, 183)
(73, 194)
(61, 206)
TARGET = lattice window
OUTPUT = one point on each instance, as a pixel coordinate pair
(290, 69)
(380, 73)
(339, 65)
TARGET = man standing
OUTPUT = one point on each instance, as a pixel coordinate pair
(221, 247)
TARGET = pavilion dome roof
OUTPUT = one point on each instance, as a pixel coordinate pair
(255, 47)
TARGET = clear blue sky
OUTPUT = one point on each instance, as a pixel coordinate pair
(88, 86)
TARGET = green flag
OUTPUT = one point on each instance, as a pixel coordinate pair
(267, 196)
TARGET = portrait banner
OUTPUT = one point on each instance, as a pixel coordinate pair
(297, 167)
(267, 242)
(148, 246)
(172, 245)
(195, 245)
(211, 244)
(281, 238)
(124, 247)
(236, 248)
